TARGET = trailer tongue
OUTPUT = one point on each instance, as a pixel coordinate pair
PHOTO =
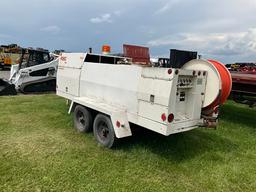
(108, 93)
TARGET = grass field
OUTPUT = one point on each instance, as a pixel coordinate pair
(40, 151)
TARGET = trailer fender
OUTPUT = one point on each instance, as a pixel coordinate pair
(120, 124)
(119, 121)
(118, 115)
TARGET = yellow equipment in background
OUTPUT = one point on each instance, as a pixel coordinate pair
(9, 54)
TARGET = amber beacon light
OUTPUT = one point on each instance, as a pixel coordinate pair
(106, 49)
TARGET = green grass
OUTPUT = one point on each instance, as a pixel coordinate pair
(40, 151)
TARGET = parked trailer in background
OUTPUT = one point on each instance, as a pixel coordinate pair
(108, 93)
(244, 87)
(244, 83)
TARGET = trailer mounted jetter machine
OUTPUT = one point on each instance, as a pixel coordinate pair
(109, 92)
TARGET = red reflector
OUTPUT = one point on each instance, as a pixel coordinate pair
(118, 124)
(163, 117)
(170, 118)
(170, 71)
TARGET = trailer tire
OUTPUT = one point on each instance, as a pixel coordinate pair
(103, 131)
(82, 119)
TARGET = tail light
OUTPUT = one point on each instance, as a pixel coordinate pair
(118, 124)
(170, 118)
(163, 117)
(170, 71)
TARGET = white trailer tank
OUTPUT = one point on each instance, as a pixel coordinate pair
(108, 93)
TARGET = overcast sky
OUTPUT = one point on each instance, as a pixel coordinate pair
(223, 30)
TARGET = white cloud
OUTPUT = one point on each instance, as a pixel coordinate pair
(208, 25)
(186, 39)
(51, 29)
(225, 44)
(163, 9)
(101, 19)
(118, 13)
(167, 6)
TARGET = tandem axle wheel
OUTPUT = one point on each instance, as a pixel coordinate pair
(102, 126)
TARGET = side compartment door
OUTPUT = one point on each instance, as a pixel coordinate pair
(68, 75)
(154, 93)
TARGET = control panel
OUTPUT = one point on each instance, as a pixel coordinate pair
(185, 82)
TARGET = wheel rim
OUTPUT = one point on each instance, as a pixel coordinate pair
(81, 118)
(103, 131)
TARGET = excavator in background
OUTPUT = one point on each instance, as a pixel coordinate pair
(35, 72)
